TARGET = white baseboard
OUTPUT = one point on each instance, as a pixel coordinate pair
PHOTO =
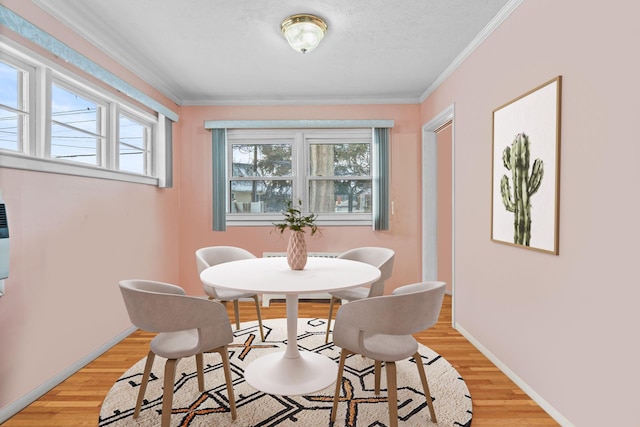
(27, 399)
(516, 379)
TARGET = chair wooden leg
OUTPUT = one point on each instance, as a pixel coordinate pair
(227, 376)
(425, 386)
(143, 384)
(200, 371)
(376, 376)
(255, 298)
(336, 395)
(236, 312)
(167, 396)
(392, 390)
(326, 338)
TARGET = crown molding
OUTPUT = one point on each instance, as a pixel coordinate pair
(498, 19)
(26, 29)
(296, 124)
(84, 25)
(296, 101)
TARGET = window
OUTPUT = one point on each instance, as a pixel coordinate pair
(134, 141)
(329, 170)
(340, 174)
(15, 105)
(261, 173)
(78, 128)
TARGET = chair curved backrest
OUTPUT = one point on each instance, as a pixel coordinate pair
(187, 326)
(378, 257)
(162, 307)
(214, 255)
(381, 328)
(410, 309)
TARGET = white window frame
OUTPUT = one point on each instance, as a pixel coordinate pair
(28, 81)
(103, 118)
(251, 137)
(301, 139)
(35, 155)
(150, 136)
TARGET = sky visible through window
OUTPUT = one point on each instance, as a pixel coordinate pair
(9, 81)
(75, 127)
(132, 147)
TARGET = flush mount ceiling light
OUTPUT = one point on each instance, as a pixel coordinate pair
(303, 31)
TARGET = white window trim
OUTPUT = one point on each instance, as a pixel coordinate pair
(36, 150)
(151, 165)
(30, 112)
(103, 118)
(39, 164)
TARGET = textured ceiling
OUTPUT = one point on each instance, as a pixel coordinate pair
(229, 52)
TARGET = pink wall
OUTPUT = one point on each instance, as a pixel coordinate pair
(565, 325)
(404, 233)
(72, 240)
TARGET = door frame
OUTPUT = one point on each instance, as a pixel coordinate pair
(429, 199)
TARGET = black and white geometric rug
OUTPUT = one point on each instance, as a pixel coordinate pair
(358, 407)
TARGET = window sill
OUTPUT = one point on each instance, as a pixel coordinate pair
(36, 164)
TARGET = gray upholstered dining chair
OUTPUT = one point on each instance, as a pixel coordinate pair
(213, 255)
(187, 326)
(380, 328)
(376, 256)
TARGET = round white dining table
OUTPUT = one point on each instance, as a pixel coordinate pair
(292, 372)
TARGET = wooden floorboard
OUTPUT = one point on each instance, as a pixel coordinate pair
(497, 401)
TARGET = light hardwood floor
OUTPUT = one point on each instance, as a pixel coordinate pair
(497, 401)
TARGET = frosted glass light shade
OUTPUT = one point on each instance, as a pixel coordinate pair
(304, 32)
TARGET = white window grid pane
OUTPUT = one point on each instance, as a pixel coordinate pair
(134, 142)
(259, 196)
(11, 130)
(342, 184)
(340, 196)
(75, 111)
(14, 104)
(73, 145)
(258, 160)
(349, 160)
(10, 80)
(256, 185)
(78, 131)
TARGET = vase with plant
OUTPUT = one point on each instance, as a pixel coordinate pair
(296, 221)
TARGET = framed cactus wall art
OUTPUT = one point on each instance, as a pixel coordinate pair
(526, 169)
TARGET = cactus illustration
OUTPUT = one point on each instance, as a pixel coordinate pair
(516, 159)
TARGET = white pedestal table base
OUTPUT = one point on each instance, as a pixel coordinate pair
(291, 372)
(276, 374)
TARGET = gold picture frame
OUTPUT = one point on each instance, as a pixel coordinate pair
(525, 179)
